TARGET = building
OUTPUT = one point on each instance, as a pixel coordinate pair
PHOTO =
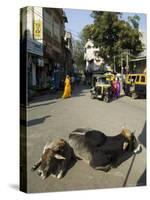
(68, 53)
(42, 32)
(92, 58)
(138, 64)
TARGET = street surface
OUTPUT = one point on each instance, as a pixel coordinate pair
(50, 116)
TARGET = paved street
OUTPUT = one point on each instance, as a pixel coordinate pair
(50, 117)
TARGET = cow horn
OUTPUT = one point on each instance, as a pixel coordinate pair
(59, 157)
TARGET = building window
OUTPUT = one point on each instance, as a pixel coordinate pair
(143, 79)
(48, 23)
(137, 79)
(57, 30)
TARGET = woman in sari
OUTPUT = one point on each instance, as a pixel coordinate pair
(114, 88)
(118, 88)
(67, 89)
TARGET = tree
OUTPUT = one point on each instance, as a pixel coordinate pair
(134, 21)
(78, 54)
(113, 35)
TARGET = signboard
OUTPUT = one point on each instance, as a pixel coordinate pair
(37, 29)
(34, 47)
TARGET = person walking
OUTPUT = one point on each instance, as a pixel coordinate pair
(67, 88)
(118, 87)
(114, 88)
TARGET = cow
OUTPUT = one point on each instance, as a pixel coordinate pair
(102, 152)
(55, 160)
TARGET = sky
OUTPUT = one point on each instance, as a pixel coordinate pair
(77, 19)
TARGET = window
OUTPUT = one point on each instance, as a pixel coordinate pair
(48, 23)
(143, 79)
(137, 78)
(129, 78)
(57, 30)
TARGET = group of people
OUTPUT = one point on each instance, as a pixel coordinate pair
(116, 87)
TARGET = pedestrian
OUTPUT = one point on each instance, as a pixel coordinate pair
(114, 88)
(67, 88)
(72, 82)
(118, 87)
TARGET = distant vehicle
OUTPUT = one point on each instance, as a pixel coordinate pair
(109, 76)
(101, 88)
(135, 85)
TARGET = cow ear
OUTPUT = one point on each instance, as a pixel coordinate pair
(59, 157)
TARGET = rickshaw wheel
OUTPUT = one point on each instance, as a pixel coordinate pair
(106, 99)
(134, 95)
(92, 96)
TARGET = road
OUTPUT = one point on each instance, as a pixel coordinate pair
(51, 116)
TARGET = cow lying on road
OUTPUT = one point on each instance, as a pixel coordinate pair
(100, 151)
(57, 156)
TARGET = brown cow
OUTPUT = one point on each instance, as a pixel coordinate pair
(55, 159)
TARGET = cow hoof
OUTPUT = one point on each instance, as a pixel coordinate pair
(53, 175)
(33, 168)
(105, 168)
(59, 176)
(43, 178)
(39, 172)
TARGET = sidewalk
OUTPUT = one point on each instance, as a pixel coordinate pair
(46, 97)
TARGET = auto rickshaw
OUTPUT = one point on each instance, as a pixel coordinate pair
(135, 85)
(109, 76)
(101, 88)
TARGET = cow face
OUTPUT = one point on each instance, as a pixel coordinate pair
(134, 145)
(50, 163)
(131, 144)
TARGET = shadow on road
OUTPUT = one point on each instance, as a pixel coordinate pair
(42, 104)
(78, 90)
(37, 121)
(33, 121)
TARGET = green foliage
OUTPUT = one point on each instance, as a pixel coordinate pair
(134, 21)
(113, 35)
(78, 54)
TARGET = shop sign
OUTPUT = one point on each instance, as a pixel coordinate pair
(35, 47)
(37, 29)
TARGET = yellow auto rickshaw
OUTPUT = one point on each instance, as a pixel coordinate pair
(135, 85)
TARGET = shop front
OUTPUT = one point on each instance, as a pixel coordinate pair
(34, 61)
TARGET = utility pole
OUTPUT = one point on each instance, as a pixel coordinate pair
(121, 66)
(114, 63)
(127, 61)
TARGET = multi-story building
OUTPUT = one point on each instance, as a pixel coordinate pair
(91, 55)
(138, 64)
(42, 32)
(68, 53)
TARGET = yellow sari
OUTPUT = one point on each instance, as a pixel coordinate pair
(67, 89)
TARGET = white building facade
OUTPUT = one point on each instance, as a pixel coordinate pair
(92, 58)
